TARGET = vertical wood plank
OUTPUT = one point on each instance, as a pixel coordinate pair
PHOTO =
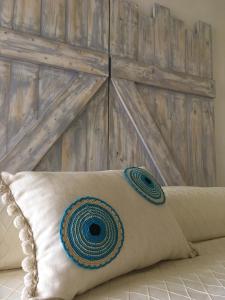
(22, 100)
(115, 27)
(98, 24)
(77, 25)
(53, 19)
(6, 13)
(208, 141)
(51, 162)
(4, 85)
(205, 41)
(74, 146)
(192, 52)
(27, 15)
(128, 19)
(97, 131)
(146, 39)
(178, 41)
(162, 35)
(195, 147)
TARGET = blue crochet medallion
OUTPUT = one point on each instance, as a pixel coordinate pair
(144, 183)
(91, 232)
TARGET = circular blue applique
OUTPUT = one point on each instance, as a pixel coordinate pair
(91, 232)
(144, 183)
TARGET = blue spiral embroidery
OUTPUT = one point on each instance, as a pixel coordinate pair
(145, 184)
(91, 232)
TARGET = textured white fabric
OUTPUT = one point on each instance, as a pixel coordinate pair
(200, 211)
(200, 278)
(151, 232)
(11, 253)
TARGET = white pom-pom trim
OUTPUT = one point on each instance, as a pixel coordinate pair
(19, 222)
(29, 264)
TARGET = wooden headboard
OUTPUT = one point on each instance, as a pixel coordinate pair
(95, 84)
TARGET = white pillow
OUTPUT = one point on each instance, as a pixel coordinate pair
(81, 229)
(11, 254)
(200, 211)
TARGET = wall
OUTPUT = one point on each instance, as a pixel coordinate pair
(212, 12)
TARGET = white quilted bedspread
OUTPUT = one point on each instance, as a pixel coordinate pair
(200, 278)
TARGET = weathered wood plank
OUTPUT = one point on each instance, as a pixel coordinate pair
(98, 24)
(74, 146)
(205, 50)
(49, 128)
(195, 147)
(23, 100)
(77, 25)
(53, 19)
(97, 131)
(27, 16)
(41, 51)
(146, 39)
(161, 15)
(52, 83)
(5, 69)
(178, 44)
(115, 44)
(125, 147)
(6, 13)
(128, 30)
(208, 139)
(52, 160)
(167, 79)
(192, 51)
(148, 132)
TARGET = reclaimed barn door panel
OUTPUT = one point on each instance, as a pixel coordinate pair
(53, 86)
(171, 91)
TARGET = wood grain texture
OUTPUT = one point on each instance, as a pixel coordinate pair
(41, 51)
(27, 16)
(41, 136)
(77, 25)
(146, 51)
(164, 78)
(125, 147)
(22, 101)
(134, 106)
(178, 44)
(192, 51)
(98, 24)
(84, 145)
(5, 70)
(52, 83)
(161, 15)
(53, 19)
(6, 13)
(205, 50)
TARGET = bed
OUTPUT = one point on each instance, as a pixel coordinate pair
(200, 278)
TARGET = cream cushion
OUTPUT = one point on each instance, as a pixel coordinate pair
(11, 254)
(200, 211)
(151, 233)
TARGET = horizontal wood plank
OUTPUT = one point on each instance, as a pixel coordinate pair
(148, 132)
(31, 48)
(163, 78)
(42, 135)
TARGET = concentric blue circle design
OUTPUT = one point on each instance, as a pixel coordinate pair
(145, 184)
(91, 232)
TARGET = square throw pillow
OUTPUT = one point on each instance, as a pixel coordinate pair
(81, 229)
(11, 254)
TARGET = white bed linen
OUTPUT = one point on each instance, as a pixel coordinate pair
(200, 278)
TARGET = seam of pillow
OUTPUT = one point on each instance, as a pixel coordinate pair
(29, 263)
